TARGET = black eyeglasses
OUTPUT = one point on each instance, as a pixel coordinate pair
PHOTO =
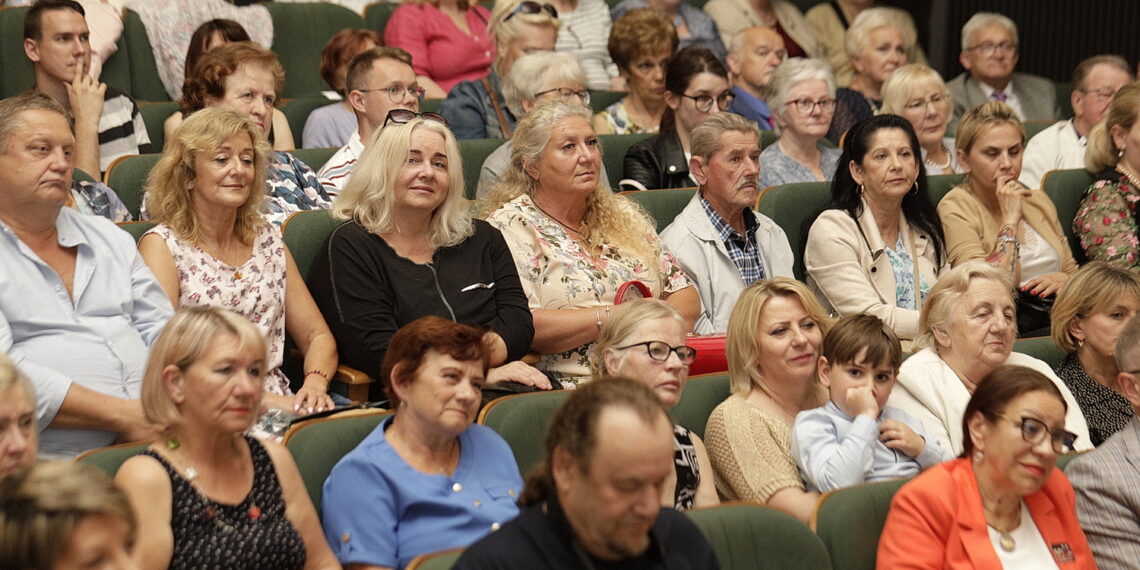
(1033, 431)
(401, 116)
(531, 7)
(565, 93)
(659, 350)
(704, 103)
(396, 92)
(806, 106)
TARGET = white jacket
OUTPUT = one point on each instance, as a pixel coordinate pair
(698, 247)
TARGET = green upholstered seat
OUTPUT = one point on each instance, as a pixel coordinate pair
(749, 535)
(137, 229)
(613, 154)
(79, 174)
(599, 99)
(297, 111)
(789, 205)
(1036, 126)
(318, 444)
(1065, 459)
(376, 15)
(849, 522)
(17, 75)
(939, 184)
(145, 84)
(314, 157)
(430, 105)
(1041, 348)
(767, 138)
(702, 394)
(110, 458)
(154, 115)
(127, 177)
(474, 152)
(522, 420)
(442, 560)
(300, 32)
(1066, 188)
(1064, 98)
(662, 205)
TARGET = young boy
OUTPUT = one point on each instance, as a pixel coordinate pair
(855, 437)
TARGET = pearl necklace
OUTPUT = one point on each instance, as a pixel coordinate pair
(944, 165)
(1127, 172)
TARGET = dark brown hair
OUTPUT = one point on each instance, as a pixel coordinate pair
(34, 19)
(230, 31)
(412, 342)
(339, 51)
(853, 333)
(997, 390)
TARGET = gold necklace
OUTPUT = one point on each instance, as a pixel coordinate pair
(1127, 172)
(564, 225)
(1005, 539)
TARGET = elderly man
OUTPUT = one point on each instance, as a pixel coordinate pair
(1062, 145)
(753, 56)
(1107, 479)
(989, 54)
(723, 244)
(17, 419)
(597, 500)
(378, 80)
(78, 307)
(107, 121)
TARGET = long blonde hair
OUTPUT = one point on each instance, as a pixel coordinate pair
(1102, 153)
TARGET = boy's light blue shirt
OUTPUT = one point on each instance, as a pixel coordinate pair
(833, 451)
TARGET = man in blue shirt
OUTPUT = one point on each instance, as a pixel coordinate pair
(753, 55)
(78, 307)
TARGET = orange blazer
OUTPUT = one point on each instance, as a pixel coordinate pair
(936, 521)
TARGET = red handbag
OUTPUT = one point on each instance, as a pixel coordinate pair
(711, 356)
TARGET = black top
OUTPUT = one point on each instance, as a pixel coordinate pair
(541, 537)
(851, 107)
(657, 162)
(252, 534)
(366, 291)
(1106, 411)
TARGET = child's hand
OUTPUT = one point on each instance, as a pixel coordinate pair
(861, 401)
(897, 435)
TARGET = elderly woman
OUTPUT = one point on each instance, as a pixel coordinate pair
(1003, 502)
(967, 328)
(60, 514)
(991, 216)
(448, 41)
(831, 22)
(801, 95)
(426, 479)
(735, 16)
(877, 44)
(574, 241)
(246, 78)
(640, 343)
(918, 94)
(694, 27)
(642, 42)
(1092, 308)
(774, 336)
(212, 247)
(534, 79)
(1106, 222)
(18, 430)
(332, 125)
(877, 247)
(205, 495)
(696, 86)
(476, 108)
(586, 27)
(408, 247)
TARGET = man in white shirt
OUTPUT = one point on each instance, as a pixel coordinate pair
(377, 81)
(1062, 145)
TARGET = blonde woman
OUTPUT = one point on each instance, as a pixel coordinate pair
(917, 93)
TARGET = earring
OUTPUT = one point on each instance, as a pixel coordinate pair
(860, 189)
(979, 457)
(914, 189)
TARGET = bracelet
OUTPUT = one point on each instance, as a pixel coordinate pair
(318, 373)
(598, 317)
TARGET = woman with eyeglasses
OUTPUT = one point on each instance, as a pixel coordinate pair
(407, 247)
(801, 95)
(696, 85)
(1003, 503)
(642, 42)
(448, 40)
(694, 27)
(644, 340)
(918, 94)
(877, 246)
(476, 108)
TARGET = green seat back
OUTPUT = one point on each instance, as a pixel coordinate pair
(314, 157)
(789, 205)
(613, 154)
(748, 535)
(304, 234)
(137, 229)
(702, 394)
(110, 458)
(938, 185)
(769, 137)
(376, 16)
(599, 99)
(319, 444)
(849, 522)
(154, 115)
(79, 174)
(442, 560)
(300, 32)
(430, 105)
(17, 75)
(1064, 98)
(522, 420)
(1065, 459)
(127, 177)
(1036, 126)
(1041, 348)
(1066, 188)
(662, 205)
(474, 152)
(297, 111)
(145, 83)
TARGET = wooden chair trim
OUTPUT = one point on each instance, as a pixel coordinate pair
(114, 163)
(495, 403)
(359, 412)
(422, 559)
(99, 450)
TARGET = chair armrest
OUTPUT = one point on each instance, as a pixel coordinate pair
(356, 382)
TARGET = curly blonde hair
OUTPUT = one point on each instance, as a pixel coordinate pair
(169, 193)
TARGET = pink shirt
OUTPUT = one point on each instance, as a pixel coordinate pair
(440, 50)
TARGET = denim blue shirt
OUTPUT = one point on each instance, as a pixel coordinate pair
(751, 107)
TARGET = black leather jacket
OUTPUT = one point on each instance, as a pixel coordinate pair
(656, 162)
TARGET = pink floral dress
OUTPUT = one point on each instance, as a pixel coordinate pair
(556, 273)
(1106, 222)
(254, 289)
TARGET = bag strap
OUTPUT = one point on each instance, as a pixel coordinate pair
(504, 126)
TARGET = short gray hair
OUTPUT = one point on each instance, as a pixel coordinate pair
(533, 72)
(982, 20)
(872, 19)
(705, 139)
(793, 71)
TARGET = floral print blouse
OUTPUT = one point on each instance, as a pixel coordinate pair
(1106, 221)
(292, 187)
(620, 122)
(556, 273)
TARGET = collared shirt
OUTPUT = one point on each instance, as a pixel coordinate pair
(742, 249)
(335, 173)
(1011, 98)
(99, 338)
(751, 107)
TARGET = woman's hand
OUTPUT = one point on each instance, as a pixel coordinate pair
(518, 371)
(1010, 195)
(313, 397)
(1045, 285)
(897, 435)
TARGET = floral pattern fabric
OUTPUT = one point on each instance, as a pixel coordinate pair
(620, 122)
(254, 289)
(1105, 222)
(556, 273)
(902, 265)
(292, 187)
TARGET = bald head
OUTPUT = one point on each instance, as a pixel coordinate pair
(755, 53)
